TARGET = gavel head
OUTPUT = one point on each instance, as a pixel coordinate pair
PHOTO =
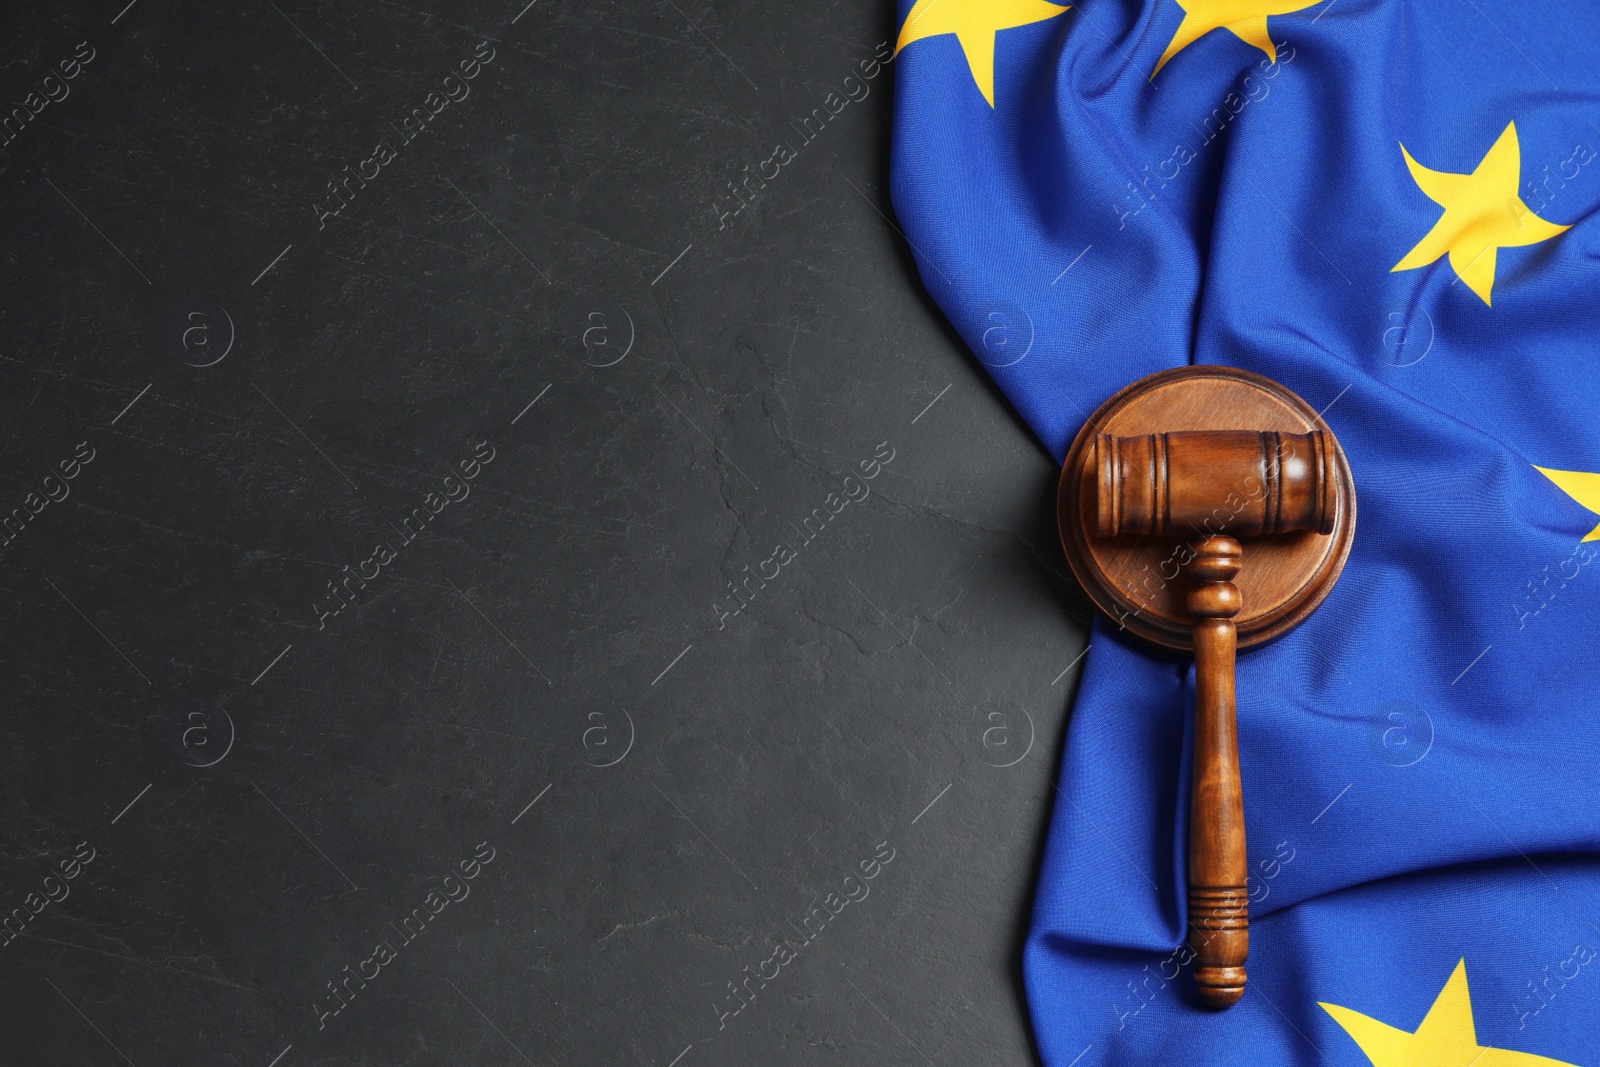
(1201, 483)
(1199, 452)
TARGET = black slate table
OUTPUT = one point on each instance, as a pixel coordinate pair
(503, 563)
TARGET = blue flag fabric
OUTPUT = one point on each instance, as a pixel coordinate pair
(1387, 205)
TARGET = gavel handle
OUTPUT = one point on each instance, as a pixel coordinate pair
(1219, 902)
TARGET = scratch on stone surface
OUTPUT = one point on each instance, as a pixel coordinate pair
(367, 222)
(637, 33)
(438, 301)
(429, 16)
(696, 932)
(1013, 535)
(490, 489)
(143, 962)
(187, 790)
(726, 473)
(192, 537)
(584, 224)
(668, 105)
(846, 634)
(961, 591)
(641, 924)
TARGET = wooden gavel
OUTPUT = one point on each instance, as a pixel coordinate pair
(1124, 496)
(1219, 484)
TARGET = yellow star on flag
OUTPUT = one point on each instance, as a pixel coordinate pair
(975, 23)
(1245, 19)
(1580, 486)
(1482, 213)
(1448, 1036)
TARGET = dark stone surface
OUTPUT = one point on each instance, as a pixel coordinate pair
(267, 793)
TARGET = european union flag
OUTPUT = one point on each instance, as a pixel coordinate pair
(1388, 206)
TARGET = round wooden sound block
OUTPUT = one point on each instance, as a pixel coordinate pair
(1138, 581)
